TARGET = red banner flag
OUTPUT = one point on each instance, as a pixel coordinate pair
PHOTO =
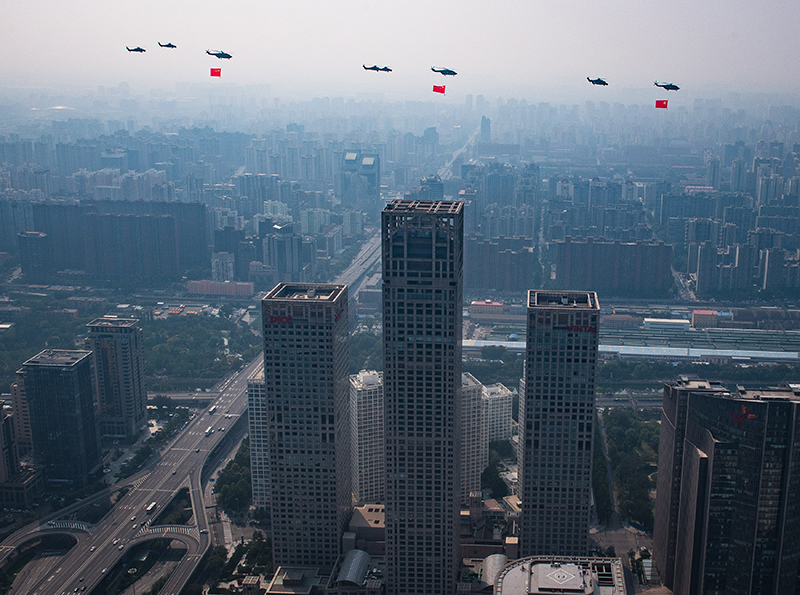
(216, 72)
(661, 103)
(438, 89)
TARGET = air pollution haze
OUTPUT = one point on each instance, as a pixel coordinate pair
(313, 48)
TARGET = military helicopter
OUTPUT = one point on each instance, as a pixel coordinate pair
(377, 68)
(219, 54)
(444, 71)
(137, 49)
(167, 45)
(666, 86)
(597, 81)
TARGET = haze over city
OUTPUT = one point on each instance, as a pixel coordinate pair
(538, 50)
(352, 298)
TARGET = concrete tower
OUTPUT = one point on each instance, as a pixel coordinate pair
(306, 391)
(556, 413)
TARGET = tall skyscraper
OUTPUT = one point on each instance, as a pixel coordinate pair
(366, 409)
(733, 483)
(58, 388)
(306, 390)
(422, 299)
(118, 354)
(258, 428)
(474, 436)
(557, 410)
(670, 465)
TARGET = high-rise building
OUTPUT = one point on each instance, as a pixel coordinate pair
(120, 388)
(670, 463)
(728, 518)
(257, 417)
(474, 436)
(366, 409)
(9, 457)
(307, 397)
(58, 388)
(422, 299)
(556, 414)
(498, 401)
(223, 266)
(22, 418)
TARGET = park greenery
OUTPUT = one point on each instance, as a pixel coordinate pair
(366, 352)
(195, 347)
(632, 439)
(232, 487)
(178, 511)
(620, 372)
(253, 557)
(602, 495)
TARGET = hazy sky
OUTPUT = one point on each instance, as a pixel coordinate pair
(514, 48)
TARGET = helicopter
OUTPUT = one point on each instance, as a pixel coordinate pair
(219, 54)
(597, 81)
(167, 45)
(137, 49)
(377, 68)
(666, 86)
(444, 71)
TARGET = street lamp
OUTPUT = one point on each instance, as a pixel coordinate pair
(132, 572)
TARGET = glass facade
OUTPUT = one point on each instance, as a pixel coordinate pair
(422, 245)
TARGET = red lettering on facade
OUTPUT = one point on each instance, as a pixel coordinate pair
(280, 320)
(582, 329)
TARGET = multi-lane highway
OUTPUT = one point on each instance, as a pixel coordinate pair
(99, 547)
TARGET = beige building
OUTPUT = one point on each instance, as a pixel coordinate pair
(366, 412)
(497, 400)
(474, 436)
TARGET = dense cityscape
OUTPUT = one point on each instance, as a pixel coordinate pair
(358, 346)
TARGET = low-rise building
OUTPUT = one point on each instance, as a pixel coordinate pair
(556, 575)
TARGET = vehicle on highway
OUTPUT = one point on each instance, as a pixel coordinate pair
(203, 531)
(197, 450)
(93, 548)
(221, 429)
(209, 430)
(135, 525)
(152, 506)
(212, 410)
(116, 541)
(120, 547)
(133, 518)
